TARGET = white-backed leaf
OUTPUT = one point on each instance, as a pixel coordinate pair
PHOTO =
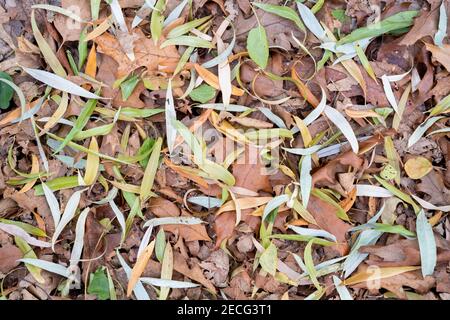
(171, 131)
(118, 16)
(273, 117)
(306, 179)
(222, 56)
(430, 206)
(442, 26)
(168, 283)
(60, 83)
(273, 204)
(354, 259)
(339, 121)
(427, 244)
(221, 107)
(48, 266)
(112, 194)
(139, 290)
(313, 232)
(146, 8)
(389, 93)
(150, 224)
(120, 218)
(300, 263)
(224, 75)
(303, 151)
(311, 22)
(317, 110)
(206, 202)
(341, 289)
(67, 216)
(367, 190)
(79, 237)
(175, 14)
(52, 203)
(19, 232)
(397, 77)
(420, 130)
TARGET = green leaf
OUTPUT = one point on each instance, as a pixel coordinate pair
(258, 46)
(82, 49)
(127, 87)
(282, 11)
(6, 92)
(99, 284)
(156, 23)
(35, 231)
(269, 259)
(29, 253)
(397, 21)
(79, 124)
(339, 14)
(160, 244)
(185, 28)
(203, 93)
(398, 193)
(188, 41)
(145, 150)
(310, 264)
(57, 184)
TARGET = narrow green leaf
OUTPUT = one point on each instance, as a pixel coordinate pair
(282, 11)
(156, 22)
(397, 21)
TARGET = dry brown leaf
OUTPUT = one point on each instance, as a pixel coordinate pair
(327, 219)
(250, 172)
(146, 54)
(70, 29)
(442, 55)
(189, 232)
(395, 284)
(9, 255)
(327, 173)
(191, 269)
(161, 207)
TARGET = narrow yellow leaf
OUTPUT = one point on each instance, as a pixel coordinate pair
(377, 274)
(244, 203)
(34, 170)
(150, 171)
(166, 270)
(92, 163)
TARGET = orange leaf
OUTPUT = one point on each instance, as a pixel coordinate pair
(348, 202)
(211, 79)
(199, 180)
(304, 90)
(139, 267)
(91, 65)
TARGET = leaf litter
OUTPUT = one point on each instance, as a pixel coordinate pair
(190, 151)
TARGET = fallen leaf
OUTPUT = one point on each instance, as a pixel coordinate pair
(418, 167)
